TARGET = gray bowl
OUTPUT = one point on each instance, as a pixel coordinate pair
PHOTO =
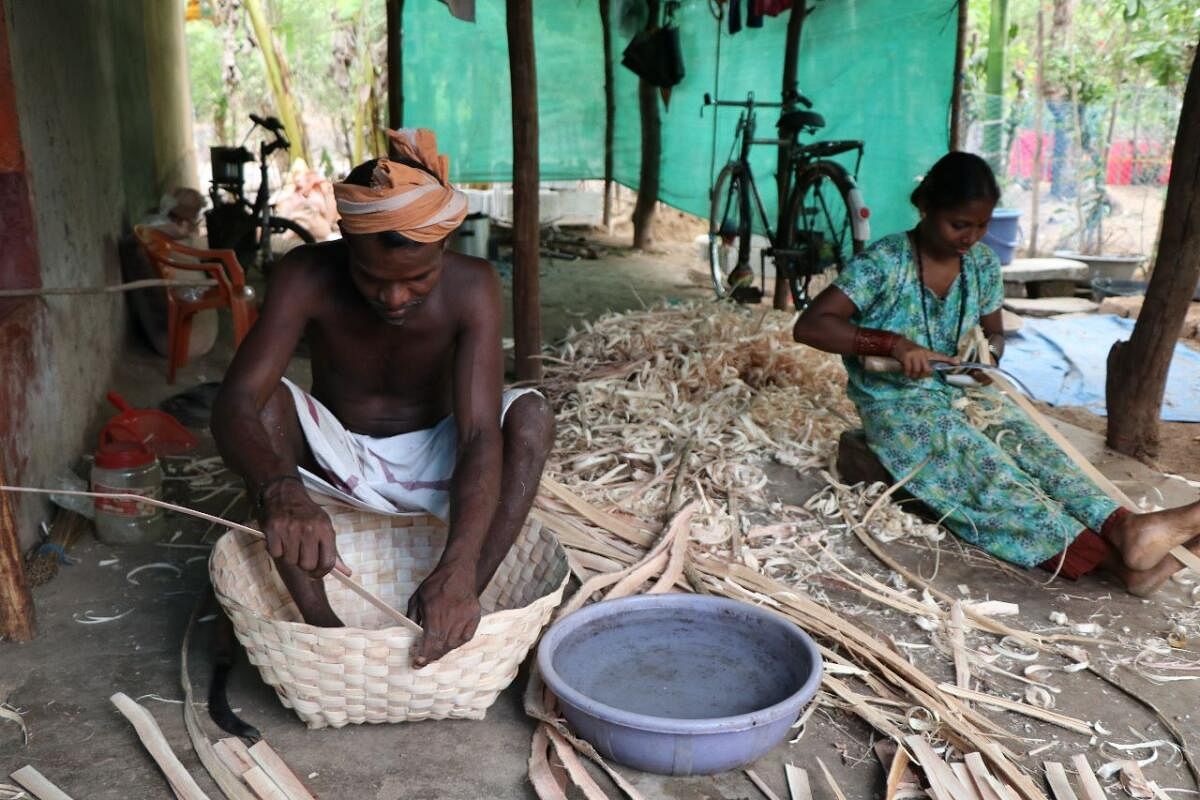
(680, 684)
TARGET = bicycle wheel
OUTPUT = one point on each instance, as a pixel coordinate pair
(730, 235)
(826, 225)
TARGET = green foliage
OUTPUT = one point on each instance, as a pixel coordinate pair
(321, 45)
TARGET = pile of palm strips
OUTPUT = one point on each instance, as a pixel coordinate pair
(682, 406)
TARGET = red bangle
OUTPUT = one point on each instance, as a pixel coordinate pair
(874, 342)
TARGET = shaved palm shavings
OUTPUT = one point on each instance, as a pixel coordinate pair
(155, 565)
(13, 715)
(89, 618)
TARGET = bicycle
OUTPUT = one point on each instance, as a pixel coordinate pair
(826, 221)
(233, 221)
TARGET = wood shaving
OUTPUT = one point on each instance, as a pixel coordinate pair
(89, 618)
(14, 715)
(154, 565)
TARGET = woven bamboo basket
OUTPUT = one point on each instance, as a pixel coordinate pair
(363, 673)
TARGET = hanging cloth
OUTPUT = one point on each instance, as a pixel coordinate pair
(735, 16)
(462, 9)
(773, 8)
(754, 14)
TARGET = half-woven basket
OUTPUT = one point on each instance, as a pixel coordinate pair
(363, 672)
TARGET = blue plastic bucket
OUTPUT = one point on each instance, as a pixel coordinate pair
(1004, 233)
(680, 684)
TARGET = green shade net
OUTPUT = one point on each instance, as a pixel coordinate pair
(877, 70)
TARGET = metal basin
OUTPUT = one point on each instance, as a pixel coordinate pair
(680, 684)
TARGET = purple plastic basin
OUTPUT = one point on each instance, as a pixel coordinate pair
(679, 684)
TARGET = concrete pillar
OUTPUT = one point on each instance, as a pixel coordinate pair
(170, 95)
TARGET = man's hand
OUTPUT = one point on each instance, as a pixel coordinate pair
(446, 606)
(297, 530)
(916, 361)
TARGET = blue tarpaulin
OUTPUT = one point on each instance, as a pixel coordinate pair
(1063, 362)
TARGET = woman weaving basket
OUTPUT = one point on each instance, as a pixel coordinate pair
(997, 480)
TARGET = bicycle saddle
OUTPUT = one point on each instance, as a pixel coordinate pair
(794, 121)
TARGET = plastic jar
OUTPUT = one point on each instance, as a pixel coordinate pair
(127, 468)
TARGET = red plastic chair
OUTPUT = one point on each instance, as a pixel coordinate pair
(230, 291)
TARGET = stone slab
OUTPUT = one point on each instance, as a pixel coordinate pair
(1050, 306)
(1025, 270)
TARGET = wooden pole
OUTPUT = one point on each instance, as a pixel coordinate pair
(395, 63)
(1038, 127)
(650, 172)
(610, 107)
(522, 65)
(960, 48)
(16, 604)
(791, 63)
(1137, 369)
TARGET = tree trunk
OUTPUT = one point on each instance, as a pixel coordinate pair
(279, 78)
(791, 61)
(522, 67)
(993, 132)
(1039, 97)
(650, 172)
(609, 108)
(395, 63)
(16, 604)
(960, 47)
(1137, 369)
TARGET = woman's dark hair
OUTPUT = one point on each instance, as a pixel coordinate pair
(956, 179)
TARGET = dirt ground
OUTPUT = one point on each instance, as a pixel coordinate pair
(1179, 442)
(1130, 229)
(62, 680)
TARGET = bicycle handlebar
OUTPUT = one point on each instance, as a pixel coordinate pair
(750, 102)
(270, 123)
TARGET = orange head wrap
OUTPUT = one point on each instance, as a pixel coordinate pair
(416, 202)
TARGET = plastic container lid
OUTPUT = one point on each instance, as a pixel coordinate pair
(123, 455)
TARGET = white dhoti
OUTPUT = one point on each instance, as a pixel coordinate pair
(401, 474)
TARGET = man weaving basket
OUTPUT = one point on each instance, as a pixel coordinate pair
(406, 410)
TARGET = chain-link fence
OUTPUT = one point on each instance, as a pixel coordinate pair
(1104, 166)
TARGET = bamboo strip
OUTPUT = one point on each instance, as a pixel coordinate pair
(181, 781)
(540, 776)
(679, 533)
(146, 283)
(1045, 715)
(344, 577)
(833, 785)
(279, 771)
(1091, 787)
(263, 786)
(797, 781)
(987, 786)
(962, 670)
(602, 519)
(761, 785)
(942, 780)
(228, 780)
(896, 773)
(539, 702)
(575, 769)
(965, 780)
(230, 759)
(1056, 776)
(37, 784)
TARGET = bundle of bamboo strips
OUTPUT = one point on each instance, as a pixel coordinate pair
(887, 678)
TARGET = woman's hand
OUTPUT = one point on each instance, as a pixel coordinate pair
(916, 361)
